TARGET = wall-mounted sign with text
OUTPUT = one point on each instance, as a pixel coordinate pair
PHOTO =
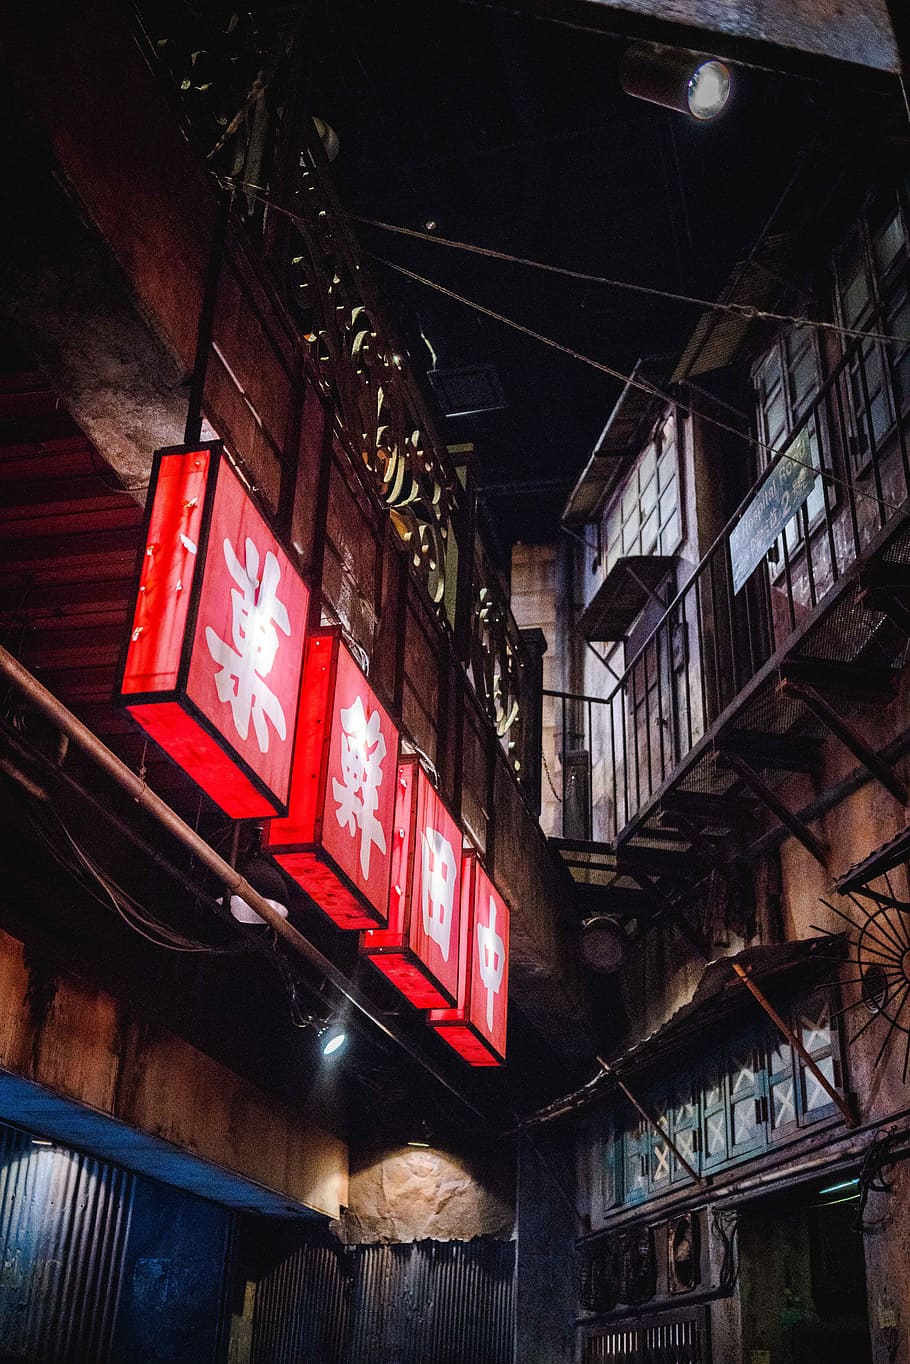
(418, 951)
(476, 1027)
(213, 660)
(775, 503)
(336, 840)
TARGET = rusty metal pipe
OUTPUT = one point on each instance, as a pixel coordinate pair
(235, 884)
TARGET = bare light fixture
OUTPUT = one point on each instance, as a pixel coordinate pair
(333, 1040)
(675, 79)
(263, 875)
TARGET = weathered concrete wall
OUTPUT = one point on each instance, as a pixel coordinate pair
(887, 1245)
(547, 1227)
(81, 1044)
(851, 830)
(414, 1193)
(851, 32)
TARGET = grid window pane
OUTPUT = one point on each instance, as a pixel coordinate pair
(645, 517)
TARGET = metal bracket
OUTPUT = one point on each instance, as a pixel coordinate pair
(777, 807)
(842, 730)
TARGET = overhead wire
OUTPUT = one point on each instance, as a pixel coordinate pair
(632, 380)
(746, 312)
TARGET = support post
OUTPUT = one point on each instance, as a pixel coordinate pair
(841, 729)
(762, 999)
(653, 1123)
(777, 807)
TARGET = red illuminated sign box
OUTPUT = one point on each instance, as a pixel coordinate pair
(213, 661)
(336, 840)
(476, 1027)
(418, 951)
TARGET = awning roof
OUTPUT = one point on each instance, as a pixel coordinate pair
(757, 283)
(720, 992)
(620, 439)
(889, 855)
(631, 583)
(718, 995)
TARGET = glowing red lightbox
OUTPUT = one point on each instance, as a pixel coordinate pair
(213, 662)
(476, 1027)
(419, 949)
(336, 840)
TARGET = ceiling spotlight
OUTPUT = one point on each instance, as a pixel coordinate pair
(333, 1040)
(678, 80)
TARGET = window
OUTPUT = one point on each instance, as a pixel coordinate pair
(743, 1097)
(644, 518)
(787, 380)
(873, 278)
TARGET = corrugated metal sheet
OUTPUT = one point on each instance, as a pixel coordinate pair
(302, 1308)
(64, 1223)
(449, 1302)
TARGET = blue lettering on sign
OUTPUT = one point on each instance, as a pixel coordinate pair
(778, 500)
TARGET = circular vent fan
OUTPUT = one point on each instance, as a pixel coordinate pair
(684, 1236)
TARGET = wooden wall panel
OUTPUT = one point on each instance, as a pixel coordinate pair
(350, 577)
(475, 791)
(422, 668)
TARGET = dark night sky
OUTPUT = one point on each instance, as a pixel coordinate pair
(515, 134)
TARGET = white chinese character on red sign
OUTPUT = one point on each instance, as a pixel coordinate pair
(362, 751)
(438, 889)
(492, 952)
(255, 612)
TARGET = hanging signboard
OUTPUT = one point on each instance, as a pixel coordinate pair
(336, 840)
(476, 1027)
(775, 503)
(213, 661)
(418, 951)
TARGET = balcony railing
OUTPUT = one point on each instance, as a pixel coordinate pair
(718, 636)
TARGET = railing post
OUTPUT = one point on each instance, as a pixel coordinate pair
(535, 643)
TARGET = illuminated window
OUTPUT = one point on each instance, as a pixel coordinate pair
(644, 517)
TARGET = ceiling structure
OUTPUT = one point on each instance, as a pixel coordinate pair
(510, 131)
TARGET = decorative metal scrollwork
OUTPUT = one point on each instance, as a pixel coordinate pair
(367, 378)
(498, 662)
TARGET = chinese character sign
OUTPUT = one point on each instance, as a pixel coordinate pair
(435, 901)
(215, 654)
(248, 646)
(488, 993)
(336, 840)
(360, 794)
(476, 1027)
(419, 949)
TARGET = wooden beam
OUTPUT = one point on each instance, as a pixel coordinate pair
(777, 807)
(652, 1122)
(845, 732)
(795, 1043)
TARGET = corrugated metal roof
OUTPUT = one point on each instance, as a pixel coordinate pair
(889, 855)
(756, 283)
(720, 991)
(618, 442)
